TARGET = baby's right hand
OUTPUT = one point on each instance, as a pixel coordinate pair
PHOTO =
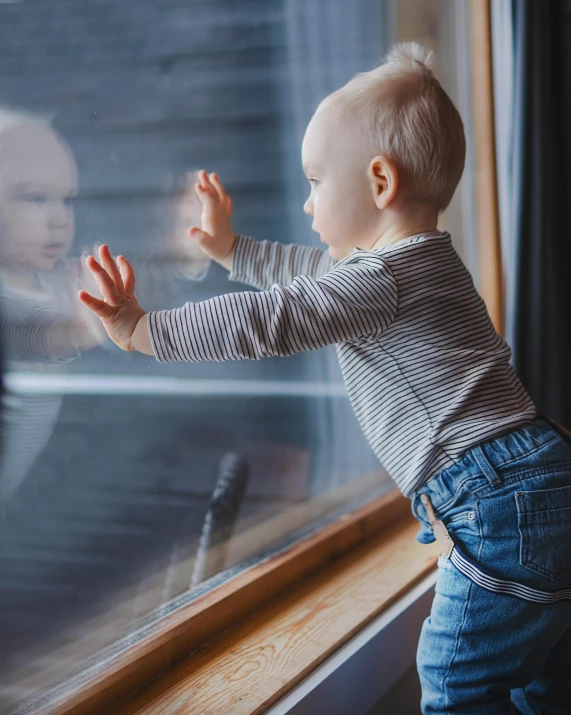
(119, 310)
(217, 238)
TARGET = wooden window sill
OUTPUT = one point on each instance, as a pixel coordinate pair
(257, 661)
(286, 613)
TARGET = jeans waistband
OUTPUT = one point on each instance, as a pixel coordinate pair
(489, 460)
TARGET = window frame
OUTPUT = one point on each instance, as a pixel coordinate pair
(379, 524)
(486, 180)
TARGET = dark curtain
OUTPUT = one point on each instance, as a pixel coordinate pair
(541, 138)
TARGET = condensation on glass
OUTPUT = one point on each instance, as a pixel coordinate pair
(125, 484)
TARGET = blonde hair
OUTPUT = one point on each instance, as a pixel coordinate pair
(408, 117)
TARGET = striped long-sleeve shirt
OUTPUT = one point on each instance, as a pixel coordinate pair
(427, 375)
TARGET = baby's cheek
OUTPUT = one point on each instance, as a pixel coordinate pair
(15, 237)
(22, 243)
(36, 221)
(22, 219)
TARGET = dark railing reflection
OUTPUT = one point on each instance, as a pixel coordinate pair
(231, 483)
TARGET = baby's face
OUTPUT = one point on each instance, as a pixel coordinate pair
(341, 200)
(38, 181)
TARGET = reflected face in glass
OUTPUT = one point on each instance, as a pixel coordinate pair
(38, 181)
(341, 201)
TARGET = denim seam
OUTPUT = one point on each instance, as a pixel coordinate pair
(505, 481)
(462, 624)
(444, 504)
(460, 515)
(528, 703)
(526, 559)
(554, 469)
(457, 644)
(522, 456)
(480, 474)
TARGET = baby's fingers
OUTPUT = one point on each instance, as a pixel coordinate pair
(99, 307)
(203, 179)
(106, 285)
(221, 191)
(128, 274)
(204, 185)
(208, 197)
(111, 267)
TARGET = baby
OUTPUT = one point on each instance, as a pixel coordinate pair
(45, 326)
(42, 327)
(428, 377)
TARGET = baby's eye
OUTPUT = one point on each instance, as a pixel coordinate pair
(314, 182)
(35, 198)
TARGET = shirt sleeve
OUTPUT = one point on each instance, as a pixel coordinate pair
(352, 302)
(262, 264)
(27, 330)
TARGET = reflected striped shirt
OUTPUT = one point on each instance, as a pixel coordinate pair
(427, 375)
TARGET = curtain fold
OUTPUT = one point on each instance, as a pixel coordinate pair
(536, 249)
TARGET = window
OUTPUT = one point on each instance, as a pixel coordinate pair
(126, 483)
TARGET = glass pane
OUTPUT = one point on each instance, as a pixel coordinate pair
(127, 484)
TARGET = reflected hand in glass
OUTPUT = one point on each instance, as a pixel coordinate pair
(174, 249)
(217, 237)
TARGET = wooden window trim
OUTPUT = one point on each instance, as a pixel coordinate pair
(364, 560)
(491, 272)
(257, 662)
(195, 625)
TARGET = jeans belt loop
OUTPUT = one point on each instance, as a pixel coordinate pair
(485, 465)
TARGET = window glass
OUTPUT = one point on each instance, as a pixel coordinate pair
(126, 483)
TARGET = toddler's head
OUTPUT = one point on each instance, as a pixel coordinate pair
(383, 154)
(38, 180)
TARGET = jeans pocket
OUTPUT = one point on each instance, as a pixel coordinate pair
(544, 522)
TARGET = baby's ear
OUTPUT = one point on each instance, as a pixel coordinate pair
(383, 180)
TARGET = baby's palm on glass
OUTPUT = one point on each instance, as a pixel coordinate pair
(119, 310)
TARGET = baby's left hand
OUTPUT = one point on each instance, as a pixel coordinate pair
(120, 311)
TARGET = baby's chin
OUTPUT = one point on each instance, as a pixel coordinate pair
(337, 253)
(41, 264)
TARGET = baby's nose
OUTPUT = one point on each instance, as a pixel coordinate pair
(59, 213)
(308, 207)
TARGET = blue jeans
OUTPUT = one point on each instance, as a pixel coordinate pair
(508, 507)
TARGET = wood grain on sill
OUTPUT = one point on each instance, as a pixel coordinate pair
(126, 667)
(261, 658)
(253, 534)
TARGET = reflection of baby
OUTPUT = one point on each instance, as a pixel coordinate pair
(38, 181)
(43, 327)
